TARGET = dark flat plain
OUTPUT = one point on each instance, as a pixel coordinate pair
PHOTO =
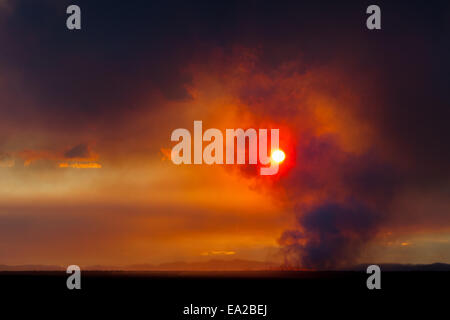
(289, 295)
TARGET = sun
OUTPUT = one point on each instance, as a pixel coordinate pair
(278, 156)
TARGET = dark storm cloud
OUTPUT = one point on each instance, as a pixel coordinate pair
(334, 235)
(79, 151)
(126, 50)
(123, 52)
(326, 167)
(352, 194)
(412, 103)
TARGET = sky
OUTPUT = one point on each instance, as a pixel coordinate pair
(86, 119)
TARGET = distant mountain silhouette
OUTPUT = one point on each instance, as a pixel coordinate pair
(405, 267)
(216, 265)
(31, 267)
(223, 265)
(210, 265)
